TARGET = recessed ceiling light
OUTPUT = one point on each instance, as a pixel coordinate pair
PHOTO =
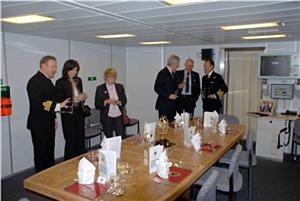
(27, 19)
(155, 42)
(116, 36)
(250, 26)
(259, 31)
(263, 36)
(178, 2)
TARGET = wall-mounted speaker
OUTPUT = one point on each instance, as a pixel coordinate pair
(206, 54)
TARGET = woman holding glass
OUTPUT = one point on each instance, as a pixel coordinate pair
(70, 86)
(110, 99)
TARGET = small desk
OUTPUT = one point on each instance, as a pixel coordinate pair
(140, 186)
(269, 142)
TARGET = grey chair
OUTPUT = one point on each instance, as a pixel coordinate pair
(230, 179)
(133, 122)
(229, 118)
(94, 119)
(208, 190)
(247, 157)
(296, 138)
(93, 127)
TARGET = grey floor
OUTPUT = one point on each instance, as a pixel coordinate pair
(272, 181)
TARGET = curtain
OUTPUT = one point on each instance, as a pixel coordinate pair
(244, 86)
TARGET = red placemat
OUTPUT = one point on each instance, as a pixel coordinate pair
(91, 191)
(208, 147)
(177, 174)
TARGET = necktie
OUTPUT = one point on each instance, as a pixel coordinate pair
(187, 86)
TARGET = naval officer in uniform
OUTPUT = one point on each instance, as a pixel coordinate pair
(42, 107)
(213, 88)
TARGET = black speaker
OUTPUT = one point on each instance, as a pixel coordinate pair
(206, 54)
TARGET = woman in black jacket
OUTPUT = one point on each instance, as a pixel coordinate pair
(111, 99)
(70, 86)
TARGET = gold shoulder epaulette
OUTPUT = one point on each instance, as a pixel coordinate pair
(47, 105)
(220, 93)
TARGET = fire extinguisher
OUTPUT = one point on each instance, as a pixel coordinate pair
(6, 106)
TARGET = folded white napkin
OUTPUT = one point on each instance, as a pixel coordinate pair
(149, 129)
(178, 119)
(112, 144)
(162, 165)
(210, 119)
(188, 134)
(196, 141)
(222, 127)
(86, 172)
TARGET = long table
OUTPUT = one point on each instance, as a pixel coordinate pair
(140, 185)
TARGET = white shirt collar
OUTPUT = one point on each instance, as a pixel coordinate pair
(209, 74)
(110, 86)
(186, 72)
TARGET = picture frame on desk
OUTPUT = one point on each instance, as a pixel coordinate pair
(266, 107)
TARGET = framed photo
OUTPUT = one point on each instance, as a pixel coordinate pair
(266, 107)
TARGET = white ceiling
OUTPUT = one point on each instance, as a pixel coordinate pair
(152, 20)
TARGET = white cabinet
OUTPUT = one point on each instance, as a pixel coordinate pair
(267, 138)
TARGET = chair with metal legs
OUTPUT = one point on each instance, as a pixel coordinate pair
(230, 179)
(247, 157)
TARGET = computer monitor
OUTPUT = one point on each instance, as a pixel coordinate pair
(282, 91)
(275, 66)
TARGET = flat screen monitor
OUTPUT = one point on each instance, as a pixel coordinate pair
(275, 66)
(282, 91)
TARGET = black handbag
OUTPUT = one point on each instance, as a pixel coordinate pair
(86, 110)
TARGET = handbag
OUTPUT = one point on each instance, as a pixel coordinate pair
(86, 110)
(126, 119)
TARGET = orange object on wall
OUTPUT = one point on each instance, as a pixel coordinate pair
(5, 106)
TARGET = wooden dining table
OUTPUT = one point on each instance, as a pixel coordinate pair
(140, 185)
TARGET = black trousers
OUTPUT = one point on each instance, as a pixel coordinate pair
(43, 148)
(110, 124)
(169, 112)
(73, 129)
(186, 103)
(210, 105)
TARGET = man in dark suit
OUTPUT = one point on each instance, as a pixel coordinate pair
(41, 119)
(110, 99)
(166, 88)
(213, 88)
(189, 84)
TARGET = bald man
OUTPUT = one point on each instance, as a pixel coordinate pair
(189, 87)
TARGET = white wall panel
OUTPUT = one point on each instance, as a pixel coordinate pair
(143, 64)
(119, 62)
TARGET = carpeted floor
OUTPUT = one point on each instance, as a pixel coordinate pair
(272, 181)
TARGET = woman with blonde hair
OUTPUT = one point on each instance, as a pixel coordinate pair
(111, 99)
